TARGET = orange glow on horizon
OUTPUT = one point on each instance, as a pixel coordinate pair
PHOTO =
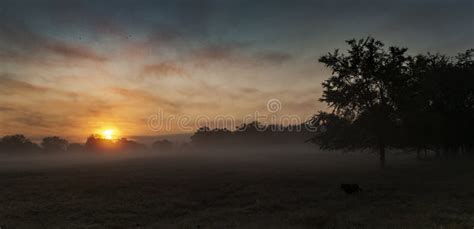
(108, 133)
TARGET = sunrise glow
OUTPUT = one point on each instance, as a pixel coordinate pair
(108, 134)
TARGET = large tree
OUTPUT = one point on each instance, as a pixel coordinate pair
(17, 144)
(54, 144)
(438, 106)
(362, 92)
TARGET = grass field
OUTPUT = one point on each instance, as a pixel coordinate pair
(243, 190)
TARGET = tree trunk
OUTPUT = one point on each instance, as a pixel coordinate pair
(382, 156)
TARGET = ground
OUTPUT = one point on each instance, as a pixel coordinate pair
(270, 190)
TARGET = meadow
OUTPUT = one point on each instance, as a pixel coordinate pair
(280, 188)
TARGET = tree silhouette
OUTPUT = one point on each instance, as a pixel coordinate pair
(54, 144)
(95, 143)
(384, 98)
(361, 93)
(17, 144)
(252, 134)
(437, 108)
(127, 145)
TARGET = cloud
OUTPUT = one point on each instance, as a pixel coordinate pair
(163, 34)
(139, 97)
(32, 119)
(39, 121)
(35, 109)
(237, 53)
(9, 86)
(105, 26)
(13, 90)
(218, 51)
(18, 43)
(6, 109)
(249, 90)
(74, 51)
(273, 57)
(162, 70)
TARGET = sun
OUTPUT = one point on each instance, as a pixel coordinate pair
(108, 134)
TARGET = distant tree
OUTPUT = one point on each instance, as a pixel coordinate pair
(95, 143)
(252, 133)
(54, 144)
(252, 127)
(162, 146)
(202, 136)
(17, 144)
(361, 94)
(92, 143)
(126, 145)
(76, 148)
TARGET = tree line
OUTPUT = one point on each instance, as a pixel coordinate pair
(20, 144)
(251, 134)
(383, 98)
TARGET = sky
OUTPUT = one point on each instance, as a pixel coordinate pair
(72, 68)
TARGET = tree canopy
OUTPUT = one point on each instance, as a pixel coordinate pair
(383, 98)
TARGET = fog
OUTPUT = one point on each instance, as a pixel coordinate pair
(297, 156)
(231, 187)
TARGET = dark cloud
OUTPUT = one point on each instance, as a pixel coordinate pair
(162, 34)
(74, 51)
(219, 52)
(238, 53)
(19, 43)
(6, 109)
(249, 90)
(10, 86)
(106, 27)
(54, 97)
(162, 70)
(273, 57)
(39, 121)
(32, 119)
(40, 109)
(208, 27)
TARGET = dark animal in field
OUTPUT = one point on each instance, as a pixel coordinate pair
(350, 188)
